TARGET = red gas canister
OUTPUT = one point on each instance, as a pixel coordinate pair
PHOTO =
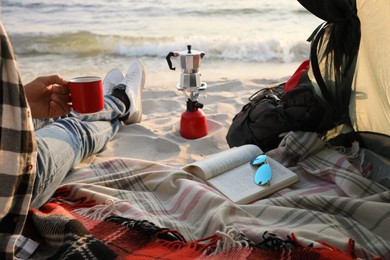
(193, 123)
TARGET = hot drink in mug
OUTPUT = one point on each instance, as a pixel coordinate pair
(87, 94)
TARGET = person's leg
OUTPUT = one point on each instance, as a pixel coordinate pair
(67, 141)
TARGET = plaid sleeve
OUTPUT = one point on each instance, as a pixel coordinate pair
(17, 151)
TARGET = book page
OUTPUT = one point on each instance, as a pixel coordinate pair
(222, 162)
(239, 186)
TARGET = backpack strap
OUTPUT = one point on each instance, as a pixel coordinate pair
(314, 39)
(334, 47)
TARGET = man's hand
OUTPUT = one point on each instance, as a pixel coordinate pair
(48, 96)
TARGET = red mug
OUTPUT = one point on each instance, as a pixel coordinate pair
(87, 94)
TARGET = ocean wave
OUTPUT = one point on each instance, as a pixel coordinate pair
(39, 6)
(84, 44)
(224, 11)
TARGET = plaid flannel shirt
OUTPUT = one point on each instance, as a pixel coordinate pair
(17, 151)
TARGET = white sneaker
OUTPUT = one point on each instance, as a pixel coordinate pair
(112, 79)
(134, 82)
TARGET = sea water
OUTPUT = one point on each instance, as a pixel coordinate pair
(255, 39)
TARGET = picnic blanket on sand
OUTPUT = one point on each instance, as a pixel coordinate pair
(134, 209)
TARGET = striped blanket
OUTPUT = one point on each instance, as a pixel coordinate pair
(134, 209)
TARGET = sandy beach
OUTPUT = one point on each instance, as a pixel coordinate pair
(244, 52)
(246, 48)
(157, 137)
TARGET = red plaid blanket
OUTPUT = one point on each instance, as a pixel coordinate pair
(127, 208)
(65, 234)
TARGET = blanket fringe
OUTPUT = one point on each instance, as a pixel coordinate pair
(101, 211)
(229, 238)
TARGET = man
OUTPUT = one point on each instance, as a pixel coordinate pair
(33, 162)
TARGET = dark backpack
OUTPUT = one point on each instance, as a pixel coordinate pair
(307, 107)
(272, 112)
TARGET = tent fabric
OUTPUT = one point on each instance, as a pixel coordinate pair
(370, 100)
(334, 49)
(333, 11)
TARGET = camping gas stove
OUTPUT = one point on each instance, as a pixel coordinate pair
(193, 122)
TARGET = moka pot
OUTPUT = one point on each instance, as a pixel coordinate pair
(193, 123)
(190, 63)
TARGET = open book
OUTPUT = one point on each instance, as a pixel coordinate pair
(231, 173)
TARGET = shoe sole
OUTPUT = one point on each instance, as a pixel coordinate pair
(137, 117)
